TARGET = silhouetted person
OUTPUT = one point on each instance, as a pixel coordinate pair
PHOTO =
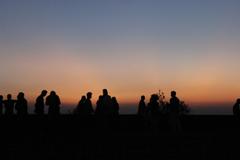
(40, 105)
(53, 101)
(106, 103)
(9, 105)
(1, 104)
(153, 111)
(21, 104)
(115, 106)
(88, 104)
(153, 105)
(99, 106)
(81, 106)
(174, 103)
(236, 108)
(174, 111)
(142, 106)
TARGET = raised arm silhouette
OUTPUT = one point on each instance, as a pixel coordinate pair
(53, 101)
(21, 104)
(39, 105)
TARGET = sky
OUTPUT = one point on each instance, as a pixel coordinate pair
(130, 47)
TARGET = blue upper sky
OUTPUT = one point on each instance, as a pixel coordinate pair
(170, 22)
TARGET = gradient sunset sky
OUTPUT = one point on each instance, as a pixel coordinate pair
(131, 47)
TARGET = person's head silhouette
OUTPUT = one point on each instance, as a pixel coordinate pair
(105, 92)
(89, 95)
(9, 96)
(1, 98)
(142, 98)
(173, 94)
(44, 93)
(238, 100)
(154, 98)
(83, 98)
(20, 95)
(53, 93)
(114, 99)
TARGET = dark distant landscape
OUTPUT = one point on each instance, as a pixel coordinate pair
(120, 137)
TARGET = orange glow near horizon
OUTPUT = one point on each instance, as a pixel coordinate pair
(205, 80)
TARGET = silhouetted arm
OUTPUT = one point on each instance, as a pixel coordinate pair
(26, 103)
(59, 102)
(47, 101)
(91, 108)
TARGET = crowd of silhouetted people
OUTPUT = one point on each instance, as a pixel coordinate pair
(20, 105)
(105, 105)
(154, 107)
(173, 109)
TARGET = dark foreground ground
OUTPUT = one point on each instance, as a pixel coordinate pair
(123, 137)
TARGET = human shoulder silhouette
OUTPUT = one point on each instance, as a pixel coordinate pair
(153, 105)
(115, 106)
(39, 104)
(88, 104)
(174, 103)
(99, 106)
(21, 105)
(9, 105)
(236, 107)
(53, 101)
(174, 113)
(81, 106)
(106, 102)
(142, 106)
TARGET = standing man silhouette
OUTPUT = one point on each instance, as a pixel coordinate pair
(21, 104)
(174, 112)
(53, 101)
(106, 103)
(153, 105)
(81, 106)
(9, 105)
(142, 107)
(40, 105)
(99, 106)
(88, 104)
